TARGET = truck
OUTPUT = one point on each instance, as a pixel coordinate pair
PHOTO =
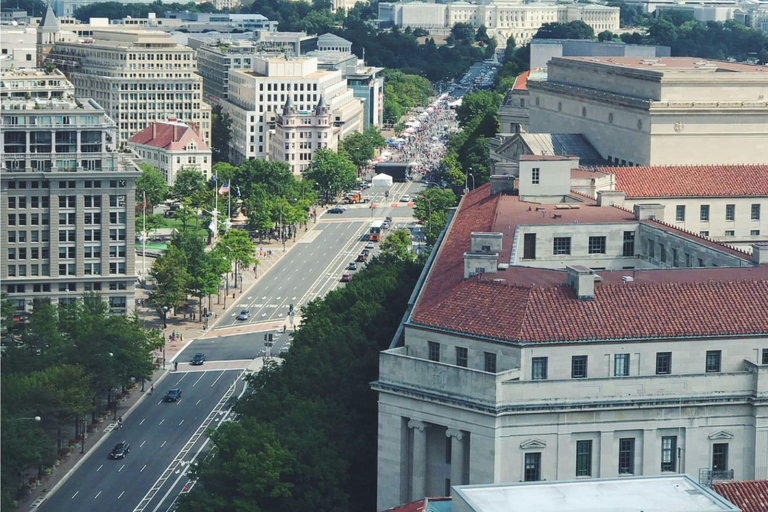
(356, 197)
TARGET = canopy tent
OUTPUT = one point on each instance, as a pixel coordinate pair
(381, 180)
(456, 103)
(409, 130)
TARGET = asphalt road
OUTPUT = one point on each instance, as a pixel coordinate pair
(157, 432)
(233, 347)
(314, 266)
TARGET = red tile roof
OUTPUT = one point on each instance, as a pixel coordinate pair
(523, 304)
(691, 181)
(521, 82)
(751, 496)
(169, 136)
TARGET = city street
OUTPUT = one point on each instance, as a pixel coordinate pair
(164, 438)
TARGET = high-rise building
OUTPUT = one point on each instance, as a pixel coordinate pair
(214, 62)
(138, 76)
(299, 134)
(257, 97)
(68, 198)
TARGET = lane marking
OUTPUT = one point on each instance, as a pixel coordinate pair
(73, 496)
(182, 421)
(198, 402)
(217, 378)
(161, 421)
(142, 469)
(142, 421)
(163, 444)
(121, 495)
(100, 468)
(97, 495)
(121, 468)
(198, 380)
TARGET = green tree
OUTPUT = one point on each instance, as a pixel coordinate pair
(572, 30)
(221, 133)
(476, 105)
(431, 209)
(332, 172)
(605, 35)
(153, 221)
(7, 310)
(463, 32)
(403, 92)
(451, 169)
(188, 182)
(238, 249)
(398, 244)
(152, 183)
(171, 278)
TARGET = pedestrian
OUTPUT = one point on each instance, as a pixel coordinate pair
(152, 389)
(175, 365)
(120, 423)
(181, 337)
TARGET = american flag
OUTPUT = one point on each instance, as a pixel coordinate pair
(224, 188)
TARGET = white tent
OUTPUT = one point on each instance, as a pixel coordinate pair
(381, 180)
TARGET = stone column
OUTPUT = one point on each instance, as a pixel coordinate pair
(418, 460)
(457, 456)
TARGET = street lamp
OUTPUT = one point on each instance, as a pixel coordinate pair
(36, 418)
(165, 340)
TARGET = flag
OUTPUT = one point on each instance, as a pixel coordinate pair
(145, 199)
(215, 177)
(224, 188)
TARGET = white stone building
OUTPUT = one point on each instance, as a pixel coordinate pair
(256, 98)
(554, 339)
(18, 47)
(139, 76)
(172, 146)
(504, 19)
(67, 202)
(298, 135)
(664, 111)
(727, 203)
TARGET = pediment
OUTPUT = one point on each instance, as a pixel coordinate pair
(532, 444)
(721, 434)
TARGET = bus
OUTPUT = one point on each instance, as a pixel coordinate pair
(374, 234)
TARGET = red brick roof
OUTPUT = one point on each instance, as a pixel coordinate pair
(691, 181)
(524, 304)
(521, 81)
(169, 136)
(749, 496)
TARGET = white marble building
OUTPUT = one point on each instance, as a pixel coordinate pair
(555, 339)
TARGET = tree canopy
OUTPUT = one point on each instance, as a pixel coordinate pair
(402, 92)
(332, 172)
(398, 244)
(431, 209)
(152, 183)
(576, 29)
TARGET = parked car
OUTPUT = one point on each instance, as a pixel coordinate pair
(120, 450)
(370, 245)
(198, 359)
(244, 314)
(345, 278)
(352, 266)
(337, 209)
(173, 395)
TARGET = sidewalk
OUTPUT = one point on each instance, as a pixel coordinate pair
(187, 330)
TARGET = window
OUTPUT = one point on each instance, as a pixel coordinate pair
(730, 212)
(583, 458)
(663, 252)
(434, 351)
(532, 467)
(535, 174)
(629, 243)
(461, 356)
(720, 457)
(539, 368)
(729, 232)
(621, 365)
(704, 234)
(627, 456)
(754, 232)
(562, 245)
(675, 259)
(765, 356)
(680, 213)
(755, 212)
(579, 367)
(669, 453)
(663, 363)
(490, 362)
(704, 213)
(713, 361)
(597, 245)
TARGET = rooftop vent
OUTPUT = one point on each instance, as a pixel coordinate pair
(582, 280)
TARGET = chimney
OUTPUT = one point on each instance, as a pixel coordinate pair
(610, 198)
(582, 280)
(486, 243)
(175, 133)
(760, 253)
(154, 130)
(653, 211)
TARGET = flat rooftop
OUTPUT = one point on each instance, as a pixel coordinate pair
(677, 493)
(662, 64)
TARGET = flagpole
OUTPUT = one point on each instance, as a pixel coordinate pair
(144, 241)
(229, 206)
(216, 205)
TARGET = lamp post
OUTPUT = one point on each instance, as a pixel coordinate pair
(82, 445)
(165, 314)
(429, 214)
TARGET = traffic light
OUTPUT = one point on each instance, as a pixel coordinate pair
(290, 309)
(271, 337)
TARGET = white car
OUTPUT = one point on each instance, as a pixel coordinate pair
(405, 199)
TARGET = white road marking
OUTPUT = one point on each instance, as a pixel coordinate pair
(182, 421)
(217, 379)
(100, 468)
(121, 495)
(142, 421)
(73, 496)
(198, 380)
(121, 468)
(198, 401)
(97, 495)
(163, 444)
(161, 421)
(142, 469)
(142, 443)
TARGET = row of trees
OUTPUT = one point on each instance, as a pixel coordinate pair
(402, 92)
(117, 10)
(72, 360)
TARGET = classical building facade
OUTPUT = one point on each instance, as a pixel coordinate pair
(172, 146)
(139, 76)
(67, 198)
(663, 111)
(299, 134)
(555, 339)
(256, 98)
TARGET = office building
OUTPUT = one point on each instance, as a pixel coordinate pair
(172, 146)
(299, 134)
(556, 338)
(333, 43)
(503, 19)
(256, 97)
(543, 50)
(214, 62)
(664, 111)
(139, 77)
(18, 47)
(68, 199)
(220, 22)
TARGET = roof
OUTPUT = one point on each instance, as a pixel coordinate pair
(171, 136)
(523, 304)
(521, 81)
(750, 496)
(562, 144)
(332, 40)
(661, 64)
(674, 493)
(442, 504)
(691, 181)
(49, 19)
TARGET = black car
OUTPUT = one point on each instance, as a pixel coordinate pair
(120, 450)
(336, 209)
(198, 360)
(173, 395)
